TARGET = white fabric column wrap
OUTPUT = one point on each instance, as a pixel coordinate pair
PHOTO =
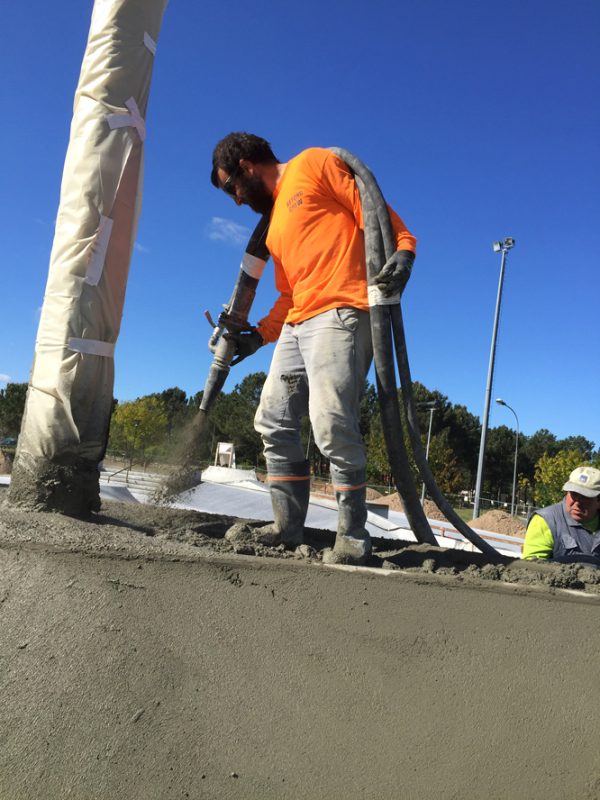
(70, 394)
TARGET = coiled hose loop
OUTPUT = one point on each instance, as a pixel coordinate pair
(387, 329)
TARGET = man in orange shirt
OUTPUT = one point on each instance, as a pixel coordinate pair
(321, 323)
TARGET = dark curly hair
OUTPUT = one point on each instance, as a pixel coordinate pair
(235, 146)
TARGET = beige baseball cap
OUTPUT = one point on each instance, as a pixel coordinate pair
(585, 481)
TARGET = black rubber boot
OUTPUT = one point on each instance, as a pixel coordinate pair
(289, 486)
(352, 542)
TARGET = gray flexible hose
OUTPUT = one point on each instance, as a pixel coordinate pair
(383, 354)
(386, 321)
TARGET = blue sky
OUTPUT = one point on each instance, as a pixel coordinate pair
(479, 119)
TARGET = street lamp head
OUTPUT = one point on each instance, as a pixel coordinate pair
(504, 246)
(430, 404)
(500, 401)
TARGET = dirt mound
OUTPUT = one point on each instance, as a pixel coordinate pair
(497, 521)
(325, 488)
(493, 521)
(6, 463)
(394, 501)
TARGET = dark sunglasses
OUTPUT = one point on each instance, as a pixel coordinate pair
(229, 185)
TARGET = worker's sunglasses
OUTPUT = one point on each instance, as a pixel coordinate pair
(229, 185)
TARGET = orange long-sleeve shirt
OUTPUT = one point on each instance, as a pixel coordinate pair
(316, 241)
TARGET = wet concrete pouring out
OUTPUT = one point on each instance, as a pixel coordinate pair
(186, 449)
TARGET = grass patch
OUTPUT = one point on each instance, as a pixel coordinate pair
(465, 514)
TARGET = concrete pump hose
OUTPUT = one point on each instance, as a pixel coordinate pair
(385, 320)
(383, 354)
(417, 446)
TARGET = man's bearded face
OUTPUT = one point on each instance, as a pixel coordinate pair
(252, 192)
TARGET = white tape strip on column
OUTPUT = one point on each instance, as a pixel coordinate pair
(376, 298)
(252, 265)
(99, 248)
(133, 119)
(150, 43)
(92, 347)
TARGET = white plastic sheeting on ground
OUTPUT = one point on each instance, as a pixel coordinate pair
(120, 494)
(253, 502)
(229, 475)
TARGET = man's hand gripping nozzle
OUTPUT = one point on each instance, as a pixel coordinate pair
(232, 339)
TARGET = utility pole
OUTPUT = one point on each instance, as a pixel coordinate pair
(499, 247)
(513, 506)
(431, 406)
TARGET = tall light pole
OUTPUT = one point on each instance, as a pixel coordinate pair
(501, 402)
(499, 247)
(431, 406)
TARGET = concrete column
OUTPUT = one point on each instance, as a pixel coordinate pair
(69, 399)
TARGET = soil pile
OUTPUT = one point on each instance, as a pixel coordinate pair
(325, 489)
(6, 463)
(144, 657)
(394, 501)
(497, 521)
(493, 521)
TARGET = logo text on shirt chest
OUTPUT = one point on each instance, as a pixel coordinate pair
(294, 201)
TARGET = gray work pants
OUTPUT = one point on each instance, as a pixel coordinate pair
(319, 367)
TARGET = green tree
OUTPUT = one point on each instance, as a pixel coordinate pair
(464, 433)
(499, 461)
(453, 446)
(138, 427)
(12, 406)
(444, 464)
(232, 418)
(551, 472)
(580, 443)
(176, 406)
(540, 443)
(369, 408)
(249, 390)
(378, 465)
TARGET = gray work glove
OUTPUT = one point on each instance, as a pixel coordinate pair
(394, 275)
(246, 342)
